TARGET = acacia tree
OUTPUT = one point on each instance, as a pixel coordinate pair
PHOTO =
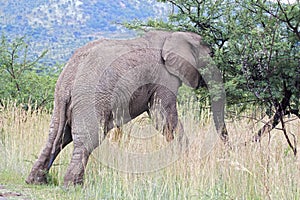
(271, 60)
(23, 78)
(256, 45)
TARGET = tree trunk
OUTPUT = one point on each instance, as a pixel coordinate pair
(281, 110)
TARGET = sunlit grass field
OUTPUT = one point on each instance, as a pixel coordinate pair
(241, 170)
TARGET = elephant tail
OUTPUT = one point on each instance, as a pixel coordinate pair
(59, 133)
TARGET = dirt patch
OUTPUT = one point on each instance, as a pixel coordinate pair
(10, 194)
(6, 194)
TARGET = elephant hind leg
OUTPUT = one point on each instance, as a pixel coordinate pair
(76, 169)
(80, 156)
(63, 141)
(55, 140)
(87, 134)
(39, 170)
(38, 174)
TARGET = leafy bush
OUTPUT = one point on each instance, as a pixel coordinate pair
(23, 78)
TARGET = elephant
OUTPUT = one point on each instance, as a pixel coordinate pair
(107, 83)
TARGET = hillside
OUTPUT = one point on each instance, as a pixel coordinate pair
(63, 25)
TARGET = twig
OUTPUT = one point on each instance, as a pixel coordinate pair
(294, 148)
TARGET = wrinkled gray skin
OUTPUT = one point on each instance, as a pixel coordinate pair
(109, 82)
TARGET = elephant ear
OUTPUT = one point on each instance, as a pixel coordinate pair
(180, 55)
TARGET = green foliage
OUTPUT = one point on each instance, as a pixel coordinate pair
(24, 79)
(256, 45)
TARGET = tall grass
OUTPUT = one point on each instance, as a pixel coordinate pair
(245, 170)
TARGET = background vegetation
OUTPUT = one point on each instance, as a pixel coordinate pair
(25, 80)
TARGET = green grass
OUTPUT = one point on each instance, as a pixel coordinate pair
(266, 170)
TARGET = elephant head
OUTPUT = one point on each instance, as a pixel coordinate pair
(188, 59)
(184, 55)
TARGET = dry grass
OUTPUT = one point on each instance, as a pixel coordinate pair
(266, 170)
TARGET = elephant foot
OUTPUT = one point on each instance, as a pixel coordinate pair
(37, 177)
(169, 136)
(72, 179)
(168, 133)
(75, 172)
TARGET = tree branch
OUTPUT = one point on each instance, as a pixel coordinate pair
(293, 147)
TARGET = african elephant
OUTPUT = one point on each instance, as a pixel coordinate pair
(109, 82)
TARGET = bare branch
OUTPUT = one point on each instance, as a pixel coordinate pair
(293, 147)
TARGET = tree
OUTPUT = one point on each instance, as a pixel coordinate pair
(271, 62)
(256, 45)
(24, 79)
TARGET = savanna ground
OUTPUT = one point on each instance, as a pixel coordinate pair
(246, 170)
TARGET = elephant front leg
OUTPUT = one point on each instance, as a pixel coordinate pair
(170, 125)
(164, 111)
